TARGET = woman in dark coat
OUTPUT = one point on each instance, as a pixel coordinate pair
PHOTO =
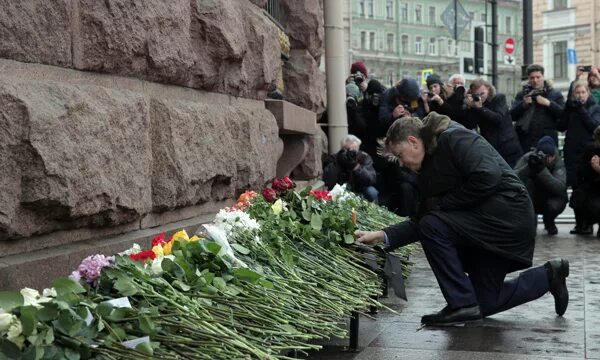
(492, 116)
(579, 119)
(475, 216)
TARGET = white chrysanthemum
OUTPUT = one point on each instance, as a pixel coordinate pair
(219, 236)
(339, 193)
(157, 264)
(5, 321)
(233, 221)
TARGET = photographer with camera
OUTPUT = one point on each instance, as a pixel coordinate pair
(436, 98)
(543, 173)
(585, 200)
(402, 100)
(352, 167)
(358, 75)
(536, 109)
(488, 110)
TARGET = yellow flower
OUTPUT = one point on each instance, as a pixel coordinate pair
(158, 251)
(181, 235)
(277, 207)
(195, 238)
(167, 248)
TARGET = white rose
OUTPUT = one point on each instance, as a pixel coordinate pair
(5, 320)
(14, 333)
(30, 296)
(49, 292)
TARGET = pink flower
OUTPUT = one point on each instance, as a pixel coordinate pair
(270, 195)
(290, 184)
(91, 268)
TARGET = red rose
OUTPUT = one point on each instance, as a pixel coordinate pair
(279, 185)
(270, 194)
(321, 195)
(289, 183)
(159, 240)
(143, 256)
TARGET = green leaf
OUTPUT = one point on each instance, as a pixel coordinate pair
(219, 283)
(71, 354)
(49, 338)
(28, 319)
(10, 300)
(245, 274)
(147, 325)
(172, 268)
(145, 348)
(65, 285)
(349, 239)
(126, 286)
(240, 249)
(180, 285)
(9, 350)
(33, 353)
(266, 283)
(316, 222)
(48, 313)
(306, 214)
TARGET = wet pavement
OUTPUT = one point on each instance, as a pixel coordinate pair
(529, 331)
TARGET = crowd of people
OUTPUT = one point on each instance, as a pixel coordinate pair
(524, 133)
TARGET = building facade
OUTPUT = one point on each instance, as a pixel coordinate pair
(561, 29)
(401, 38)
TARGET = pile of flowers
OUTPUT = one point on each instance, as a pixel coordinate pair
(269, 275)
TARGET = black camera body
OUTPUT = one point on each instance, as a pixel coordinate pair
(528, 90)
(460, 90)
(539, 156)
(476, 97)
(348, 158)
(358, 77)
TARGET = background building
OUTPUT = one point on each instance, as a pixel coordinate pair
(400, 38)
(562, 27)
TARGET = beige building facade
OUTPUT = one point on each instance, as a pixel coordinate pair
(558, 27)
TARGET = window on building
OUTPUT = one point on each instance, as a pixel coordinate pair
(560, 60)
(390, 43)
(361, 7)
(466, 45)
(432, 48)
(418, 45)
(370, 8)
(472, 17)
(483, 17)
(404, 12)
(442, 47)
(363, 40)
(419, 14)
(432, 15)
(372, 41)
(560, 4)
(451, 48)
(508, 25)
(405, 44)
(389, 9)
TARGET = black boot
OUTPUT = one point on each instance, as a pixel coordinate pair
(558, 271)
(448, 316)
(550, 226)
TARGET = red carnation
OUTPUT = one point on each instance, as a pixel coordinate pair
(143, 256)
(279, 185)
(159, 240)
(288, 182)
(270, 194)
(321, 195)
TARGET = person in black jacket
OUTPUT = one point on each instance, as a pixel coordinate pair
(543, 173)
(352, 167)
(536, 109)
(400, 101)
(579, 119)
(585, 199)
(475, 217)
(489, 111)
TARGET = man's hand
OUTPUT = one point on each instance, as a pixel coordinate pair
(536, 163)
(363, 86)
(369, 237)
(595, 163)
(527, 100)
(400, 111)
(437, 99)
(542, 100)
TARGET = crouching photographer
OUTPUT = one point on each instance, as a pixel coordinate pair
(352, 167)
(543, 173)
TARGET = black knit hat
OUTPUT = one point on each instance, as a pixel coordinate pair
(434, 79)
(407, 89)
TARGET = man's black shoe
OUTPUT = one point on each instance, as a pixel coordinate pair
(582, 230)
(448, 316)
(552, 229)
(558, 271)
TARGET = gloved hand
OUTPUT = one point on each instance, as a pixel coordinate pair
(536, 163)
(348, 159)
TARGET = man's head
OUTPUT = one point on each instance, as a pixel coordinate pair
(351, 142)
(482, 89)
(594, 78)
(456, 80)
(547, 146)
(359, 66)
(404, 141)
(407, 92)
(535, 75)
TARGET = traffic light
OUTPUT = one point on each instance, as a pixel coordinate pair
(478, 51)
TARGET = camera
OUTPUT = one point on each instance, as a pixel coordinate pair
(586, 68)
(538, 156)
(351, 102)
(528, 90)
(459, 90)
(476, 97)
(348, 158)
(358, 78)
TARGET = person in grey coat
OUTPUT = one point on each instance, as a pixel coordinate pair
(475, 217)
(543, 173)
(536, 109)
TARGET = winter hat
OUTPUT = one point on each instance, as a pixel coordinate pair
(375, 87)
(352, 90)
(546, 145)
(434, 79)
(359, 66)
(407, 89)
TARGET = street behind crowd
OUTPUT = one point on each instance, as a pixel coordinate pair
(529, 331)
